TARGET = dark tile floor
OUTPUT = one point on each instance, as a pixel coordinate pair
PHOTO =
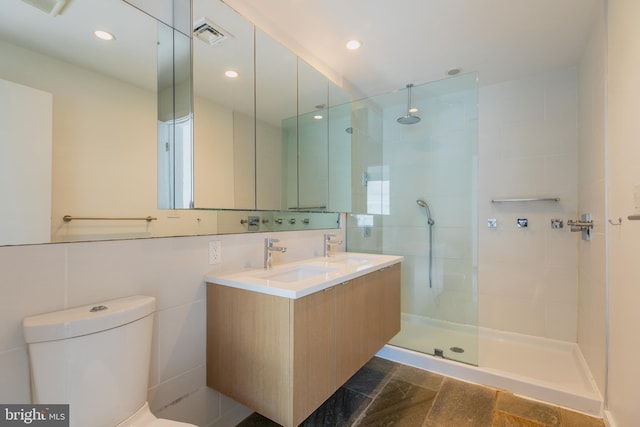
(385, 393)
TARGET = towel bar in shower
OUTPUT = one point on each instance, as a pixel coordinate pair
(526, 199)
(69, 218)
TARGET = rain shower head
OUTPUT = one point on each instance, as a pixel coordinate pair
(408, 119)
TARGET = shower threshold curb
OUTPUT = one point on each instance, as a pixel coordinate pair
(522, 386)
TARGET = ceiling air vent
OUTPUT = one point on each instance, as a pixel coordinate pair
(52, 7)
(209, 32)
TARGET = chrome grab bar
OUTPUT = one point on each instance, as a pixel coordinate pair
(69, 218)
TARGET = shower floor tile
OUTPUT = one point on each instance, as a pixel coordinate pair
(385, 393)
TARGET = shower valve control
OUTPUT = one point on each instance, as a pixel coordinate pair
(522, 223)
(584, 225)
(492, 223)
(557, 223)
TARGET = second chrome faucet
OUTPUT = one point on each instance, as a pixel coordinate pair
(268, 248)
(328, 242)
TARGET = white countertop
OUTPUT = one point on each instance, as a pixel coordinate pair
(298, 279)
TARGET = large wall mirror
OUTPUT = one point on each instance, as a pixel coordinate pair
(79, 118)
(102, 129)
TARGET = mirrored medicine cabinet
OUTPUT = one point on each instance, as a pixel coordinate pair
(262, 136)
(118, 130)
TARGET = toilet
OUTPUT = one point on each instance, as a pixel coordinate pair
(96, 359)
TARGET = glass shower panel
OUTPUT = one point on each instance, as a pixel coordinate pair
(434, 161)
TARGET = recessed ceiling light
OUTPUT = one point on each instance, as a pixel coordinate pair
(454, 71)
(104, 35)
(232, 74)
(318, 117)
(353, 44)
(413, 110)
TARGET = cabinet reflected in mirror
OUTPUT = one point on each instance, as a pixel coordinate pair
(276, 110)
(224, 117)
(175, 120)
(340, 135)
(313, 140)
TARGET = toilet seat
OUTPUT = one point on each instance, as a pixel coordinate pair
(144, 418)
(167, 423)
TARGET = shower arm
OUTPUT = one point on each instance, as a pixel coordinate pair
(409, 86)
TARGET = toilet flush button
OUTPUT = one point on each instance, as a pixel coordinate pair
(98, 308)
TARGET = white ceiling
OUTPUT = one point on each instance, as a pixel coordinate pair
(419, 40)
(404, 41)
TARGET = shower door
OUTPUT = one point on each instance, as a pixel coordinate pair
(406, 173)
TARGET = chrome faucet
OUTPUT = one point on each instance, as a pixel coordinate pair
(328, 241)
(268, 248)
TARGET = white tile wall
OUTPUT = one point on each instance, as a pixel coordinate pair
(527, 144)
(591, 198)
(43, 278)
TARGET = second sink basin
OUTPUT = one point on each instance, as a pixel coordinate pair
(350, 259)
(299, 272)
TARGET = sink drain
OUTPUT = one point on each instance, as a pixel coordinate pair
(457, 349)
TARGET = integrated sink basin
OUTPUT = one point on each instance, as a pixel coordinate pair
(298, 279)
(299, 272)
(351, 259)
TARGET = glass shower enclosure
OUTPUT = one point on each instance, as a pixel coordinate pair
(414, 194)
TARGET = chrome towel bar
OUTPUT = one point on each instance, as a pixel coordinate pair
(532, 199)
(69, 218)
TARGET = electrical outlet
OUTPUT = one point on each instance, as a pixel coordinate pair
(215, 252)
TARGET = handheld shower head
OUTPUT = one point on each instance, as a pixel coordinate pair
(430, 221)
(425, 205)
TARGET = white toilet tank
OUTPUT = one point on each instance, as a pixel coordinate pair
(95, 358)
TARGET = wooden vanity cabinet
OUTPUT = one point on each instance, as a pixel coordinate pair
(284, 357)
(368, 315)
